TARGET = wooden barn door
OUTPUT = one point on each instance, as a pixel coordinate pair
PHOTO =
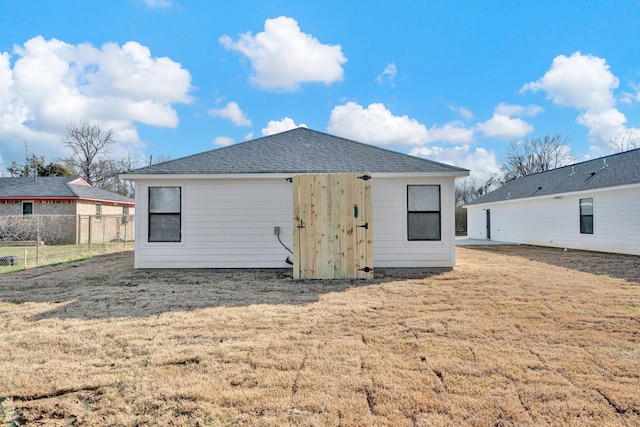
(332, 226)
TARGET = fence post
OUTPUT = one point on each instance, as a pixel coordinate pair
(90, 223)
(37, 239)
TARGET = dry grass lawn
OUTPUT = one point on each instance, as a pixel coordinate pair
(515, 335)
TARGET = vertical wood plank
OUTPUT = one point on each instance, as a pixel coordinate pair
(347, 236)
(333, 243)
(361, 232)
(297, 216)
(336, 182)
(368, 244)
(323, 259)
(308, 248)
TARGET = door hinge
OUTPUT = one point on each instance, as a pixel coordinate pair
(364, 177)
(365, 226)
(366, 269)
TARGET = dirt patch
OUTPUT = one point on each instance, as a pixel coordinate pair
(515, 335)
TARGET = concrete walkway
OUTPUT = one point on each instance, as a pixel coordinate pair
(465, 241)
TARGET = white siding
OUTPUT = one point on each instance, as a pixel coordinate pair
(228, 223)
(555, 222)
(390, 245)
(476, 222)
(225, 224)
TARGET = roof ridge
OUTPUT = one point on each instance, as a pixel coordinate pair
(386, 150)
(588, 161)
(297, 150)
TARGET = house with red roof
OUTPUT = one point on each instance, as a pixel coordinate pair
(55, 201)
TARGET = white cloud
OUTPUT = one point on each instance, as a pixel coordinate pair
(454, 132)
(283, 57)
(518, 110)
(630, 97)
(53, 83)
(375, 124)
(581, 81)
(603, 125)
(481, 163)
(232, 112)
(223, 141)
(586, 82)
(388, 76)
(465, 113)
(158, 4)
(503, 125)
(278, 126)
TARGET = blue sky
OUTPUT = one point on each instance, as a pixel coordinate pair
(454, 81)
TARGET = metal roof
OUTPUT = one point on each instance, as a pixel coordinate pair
(609, 171)
(300, 150)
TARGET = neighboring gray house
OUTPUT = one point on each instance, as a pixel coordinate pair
(62, 196)
(593, 205)
(218, 209)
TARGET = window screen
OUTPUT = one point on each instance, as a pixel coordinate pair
(165, 215)
(423, 212)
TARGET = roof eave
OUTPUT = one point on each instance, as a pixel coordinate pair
(63, 199)
(166, 176)
(38, 198)
(555, 195)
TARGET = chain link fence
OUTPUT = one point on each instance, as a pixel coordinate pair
(33, 240)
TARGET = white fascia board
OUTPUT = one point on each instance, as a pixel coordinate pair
(450, 174)
(557, 195)
(134, 177)
(191, 176)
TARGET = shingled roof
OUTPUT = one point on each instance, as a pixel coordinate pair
(300, 150)
(609, 171)
(48, 187)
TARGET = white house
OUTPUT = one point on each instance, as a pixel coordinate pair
(231, 207)
(593, 205)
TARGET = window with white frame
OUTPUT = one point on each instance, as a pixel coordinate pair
(423, 212)
(586, 216)
(165, 214)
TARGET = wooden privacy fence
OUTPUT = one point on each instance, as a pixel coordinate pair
(333, 229)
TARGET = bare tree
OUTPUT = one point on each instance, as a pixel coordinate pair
(90, 144)
(468, 190)
(625, 141)
(123, 187)
(530, 156)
